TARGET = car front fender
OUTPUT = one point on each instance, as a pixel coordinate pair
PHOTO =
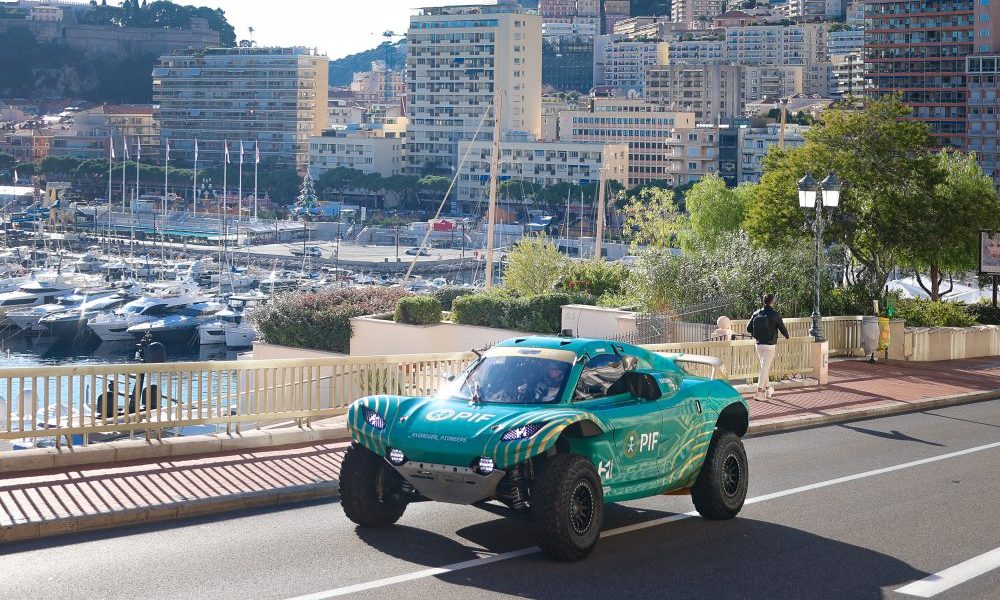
(577, 423)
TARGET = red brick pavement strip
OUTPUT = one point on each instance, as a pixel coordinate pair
(858, 389)
(58, 501)
(63, 501)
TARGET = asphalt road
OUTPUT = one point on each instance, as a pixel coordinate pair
(851, 511)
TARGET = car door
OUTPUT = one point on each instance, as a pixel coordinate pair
(633, 459)
(679, 415)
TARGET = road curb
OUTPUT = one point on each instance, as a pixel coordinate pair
(20, 532)
(783, 424)
(179, 447)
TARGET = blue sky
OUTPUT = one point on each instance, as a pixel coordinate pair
(336, 27)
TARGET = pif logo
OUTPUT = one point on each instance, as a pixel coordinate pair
(636, 442)
(446, 414)
(440, 414)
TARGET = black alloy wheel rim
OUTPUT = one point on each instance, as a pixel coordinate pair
(732, 473)
(581, 507)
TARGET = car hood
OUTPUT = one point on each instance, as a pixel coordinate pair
(458, 432)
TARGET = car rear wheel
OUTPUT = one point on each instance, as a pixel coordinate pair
(370, 489)
(721, 487)
(568, 507)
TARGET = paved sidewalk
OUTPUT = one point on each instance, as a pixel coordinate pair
(858, 389)
(45, 503)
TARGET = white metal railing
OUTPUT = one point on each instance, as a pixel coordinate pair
(843, 333)
(80, 404)
(739, 357)
(77, 405)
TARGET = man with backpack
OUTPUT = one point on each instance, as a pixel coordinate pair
(764, 326)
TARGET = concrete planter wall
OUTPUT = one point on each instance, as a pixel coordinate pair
(265, 351)
(597, 321)
(373, 336)
(952, 343)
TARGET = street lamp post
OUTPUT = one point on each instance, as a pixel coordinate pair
(828, 191)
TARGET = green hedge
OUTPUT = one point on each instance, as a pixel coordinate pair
(924, 313)
(418, 310)
(985, 313)
(321, 320)
(447, 295)
(537, 314)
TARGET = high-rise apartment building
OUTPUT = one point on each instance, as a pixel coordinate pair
(711, 91)
(920, 50)
(276, 97)
(457, 57)
(777, 45)
(588, 8)
(557, 11)
(644, 126)
(983, 77)
(615, 11)
(691, 12)
(568, 63)
(620, 62)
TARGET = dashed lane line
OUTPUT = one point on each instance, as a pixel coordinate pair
(486, 560)
(932, 585)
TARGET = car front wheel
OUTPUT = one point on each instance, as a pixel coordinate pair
(721, 487)
(370, 489)
(568, 507)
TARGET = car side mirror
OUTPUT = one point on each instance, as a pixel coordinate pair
(642, 385)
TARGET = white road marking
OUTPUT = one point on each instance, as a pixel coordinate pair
(933, 585)
(478, 562)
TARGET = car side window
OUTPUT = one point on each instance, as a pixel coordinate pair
(599, 374)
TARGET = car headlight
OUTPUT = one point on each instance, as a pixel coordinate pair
(485, 465)
(373, 418)
(396, 456)
(523, 432)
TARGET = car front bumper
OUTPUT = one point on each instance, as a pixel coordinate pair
(448, 483)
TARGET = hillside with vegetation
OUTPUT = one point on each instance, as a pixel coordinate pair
(645, 8)
(343, 69)
(33, 69)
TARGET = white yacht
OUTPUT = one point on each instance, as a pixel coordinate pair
(27, 319)
(33, 293)
(229, 326)
(113, 327)
(72, 323)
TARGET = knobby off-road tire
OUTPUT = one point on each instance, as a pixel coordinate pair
(366, 490)
(721, 487)
(568, 507)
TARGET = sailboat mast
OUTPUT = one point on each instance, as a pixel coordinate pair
(111, 160)
(599, 239)
(491, 219)
(163, 218)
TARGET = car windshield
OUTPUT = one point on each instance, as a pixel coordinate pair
(511, 380)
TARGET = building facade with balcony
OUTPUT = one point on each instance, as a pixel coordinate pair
(919, 50)
(622, 63)
(755, 142)
(711, 91)
(983, 76)
(694, 12)
(370, 148)
(456, 57)
(777, 45)
(539, 163)
(645, 127)
(276, 97)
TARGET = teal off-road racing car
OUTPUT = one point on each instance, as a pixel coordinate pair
(555, 427)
